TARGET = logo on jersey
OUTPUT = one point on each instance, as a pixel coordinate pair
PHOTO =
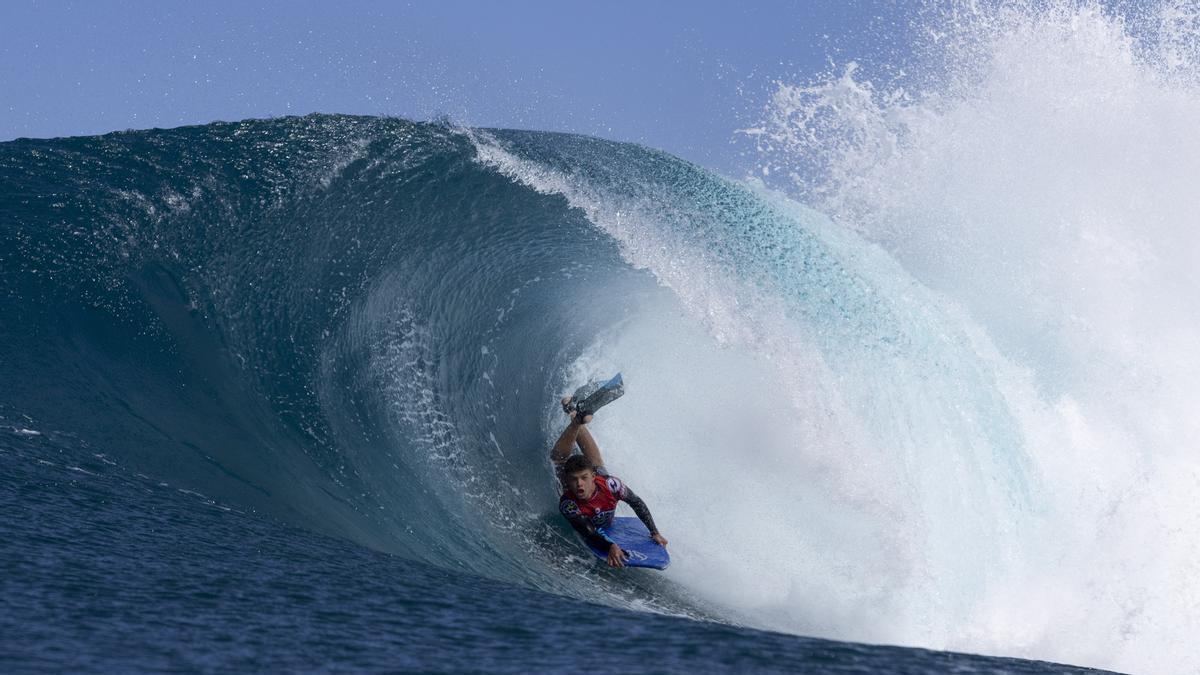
(603, 518)
(614, 484)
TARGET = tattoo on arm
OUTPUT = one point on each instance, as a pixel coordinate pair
(640, 508)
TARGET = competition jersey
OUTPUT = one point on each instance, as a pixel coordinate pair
(600, 509)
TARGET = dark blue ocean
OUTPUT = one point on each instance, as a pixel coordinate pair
(277, 396)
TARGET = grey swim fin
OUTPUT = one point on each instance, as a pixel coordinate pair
(595, 395)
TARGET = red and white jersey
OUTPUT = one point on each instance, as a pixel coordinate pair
(600, 509)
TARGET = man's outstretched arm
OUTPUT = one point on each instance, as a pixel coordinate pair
(643, 514)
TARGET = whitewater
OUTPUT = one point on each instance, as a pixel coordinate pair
(926, 378)
(1037, 176)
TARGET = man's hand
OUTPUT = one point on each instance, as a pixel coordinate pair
(616, 557)
(659, 539)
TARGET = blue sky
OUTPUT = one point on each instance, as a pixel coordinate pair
(678, 76)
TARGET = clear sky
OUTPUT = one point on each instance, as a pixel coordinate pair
(681, 76)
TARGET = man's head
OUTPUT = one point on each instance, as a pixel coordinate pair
(579, 477)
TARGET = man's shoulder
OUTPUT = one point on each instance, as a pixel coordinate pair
(616, 485)
(567, 505)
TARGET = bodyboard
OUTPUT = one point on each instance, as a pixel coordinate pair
(633, 538)
(595, 395)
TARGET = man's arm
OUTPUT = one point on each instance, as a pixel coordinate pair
(640, 508)
(583, 526)
(643, 513)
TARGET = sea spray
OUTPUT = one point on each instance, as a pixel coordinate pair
(1041, 175)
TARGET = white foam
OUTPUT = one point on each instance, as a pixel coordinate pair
(1046, 182)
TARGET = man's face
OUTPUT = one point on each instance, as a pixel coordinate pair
(582, 484)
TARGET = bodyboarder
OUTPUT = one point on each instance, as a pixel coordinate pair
(590, 494)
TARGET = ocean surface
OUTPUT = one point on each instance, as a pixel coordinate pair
(108, 571)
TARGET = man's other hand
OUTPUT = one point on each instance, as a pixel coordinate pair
(616, 557)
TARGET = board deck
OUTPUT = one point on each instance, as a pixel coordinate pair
(633, 537)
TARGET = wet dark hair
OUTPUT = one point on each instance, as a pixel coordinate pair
(577, 463)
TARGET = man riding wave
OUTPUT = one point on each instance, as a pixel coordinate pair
(590, 493)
